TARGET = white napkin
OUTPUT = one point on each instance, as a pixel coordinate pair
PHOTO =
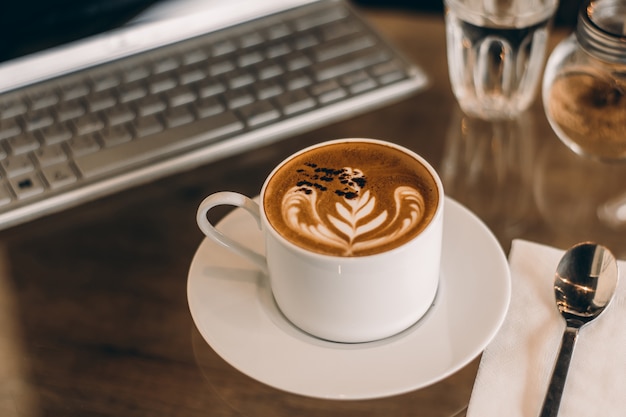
(515, 368)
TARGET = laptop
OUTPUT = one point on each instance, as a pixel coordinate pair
(97, 96)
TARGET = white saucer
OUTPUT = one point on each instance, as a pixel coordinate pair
(232, 306)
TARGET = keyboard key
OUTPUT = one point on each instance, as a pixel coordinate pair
(221, 67)
(223, 47)
(150, 105)
(194, 56)
(295, 101)
(325, 87)
(249, 58)
(23, 143)
(298, 61)
(208, 106)
(15, 165)
(305, 41)
(83, 145)
(56, 133)
(114, 135)
(135, 73)
(339, 29)
(240, 78)
(341, 47)
(268, 89)
(258, 113)
(87, 123)
(358, 81)
(180, 96)
(328, 91)
(391, 77)
(8, 128)
(27, 186)
(105, 81)
(296, 80)
(38, 120)
(50, 155)
(42, 99)
(320, 18)
(277, 31)
(119, 114)
(191, 75)
(178, 116)
(162, 82)
(238, 98)
(67, 110)
(388, 72)
(345, 64)
(12, 108)
(165, 64)
(217, 126)
(210, 87)
(361, 86)
(145, 149)
(59, 175)
(101, 100)
(5, 196)
(250, 39)
(267, 70)
(132, 91)
(147, 125)
(277, 50)
(354, 77)
(74, 90)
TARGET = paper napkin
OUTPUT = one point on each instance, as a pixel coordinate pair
(515, 368)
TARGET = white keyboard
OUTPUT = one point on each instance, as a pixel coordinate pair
(104, 129)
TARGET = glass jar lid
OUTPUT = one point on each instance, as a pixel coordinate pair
(601, 29)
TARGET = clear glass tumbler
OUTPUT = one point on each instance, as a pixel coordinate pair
(584, 86)
(496, 51)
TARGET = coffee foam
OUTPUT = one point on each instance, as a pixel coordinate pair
(351, 199)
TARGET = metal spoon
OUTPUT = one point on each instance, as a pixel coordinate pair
(584, 285)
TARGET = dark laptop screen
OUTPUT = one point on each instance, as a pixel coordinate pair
(28, 26)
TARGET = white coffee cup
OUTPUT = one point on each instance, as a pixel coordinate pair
(348, 299)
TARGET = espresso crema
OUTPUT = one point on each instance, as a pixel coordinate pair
(351, 198)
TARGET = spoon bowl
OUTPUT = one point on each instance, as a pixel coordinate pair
(584, 284)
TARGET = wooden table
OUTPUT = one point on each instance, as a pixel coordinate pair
(93, 309)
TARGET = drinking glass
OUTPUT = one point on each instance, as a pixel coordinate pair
(496, 51)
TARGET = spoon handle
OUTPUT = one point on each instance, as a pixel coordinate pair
(555, 390)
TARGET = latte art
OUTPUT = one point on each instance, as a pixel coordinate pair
(357, 224)
(351, 199)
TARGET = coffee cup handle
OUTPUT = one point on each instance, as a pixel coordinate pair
(228, 198)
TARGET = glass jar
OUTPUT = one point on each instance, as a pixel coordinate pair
(584, 85)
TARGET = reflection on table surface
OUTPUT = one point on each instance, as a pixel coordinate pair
(93, 310)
